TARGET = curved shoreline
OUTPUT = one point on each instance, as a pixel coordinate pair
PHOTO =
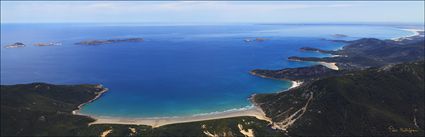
(414, 31)
(161, 121)
(255, 111)
(77, 111)
(334, 66)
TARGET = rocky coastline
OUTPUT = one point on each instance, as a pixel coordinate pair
(367, 55)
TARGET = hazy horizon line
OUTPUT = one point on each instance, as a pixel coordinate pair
(263, 23)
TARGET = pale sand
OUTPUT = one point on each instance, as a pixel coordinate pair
(247, 132)
(210, 134)
(157, 122)
(414, 31)
(339, 56)
(104, 133)
(331, 65)
(295, 84)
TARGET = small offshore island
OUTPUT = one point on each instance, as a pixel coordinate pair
(339, 35)
(369, 93)
(88, 42)
(15, 45)
(41, 44)
(110, 41)
(248, 40)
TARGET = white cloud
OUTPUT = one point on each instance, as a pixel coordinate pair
(122, 6)
(136, 11)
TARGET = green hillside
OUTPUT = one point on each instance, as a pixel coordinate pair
(379, 101)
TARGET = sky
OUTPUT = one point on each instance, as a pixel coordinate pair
(212, 12)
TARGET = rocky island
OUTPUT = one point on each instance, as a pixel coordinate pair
(15, 45)
(255, 39)
(110, 41)
(41, 44)
(339, 35)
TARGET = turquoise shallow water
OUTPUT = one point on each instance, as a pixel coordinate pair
(177, 71)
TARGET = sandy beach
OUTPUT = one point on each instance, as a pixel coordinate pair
(295, 84)
(157, 122)
(414, 31)
(253, 111)
(331, 65)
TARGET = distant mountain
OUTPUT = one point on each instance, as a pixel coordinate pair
(371, 52)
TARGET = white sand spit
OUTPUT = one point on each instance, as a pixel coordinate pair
(295, 84)
(331, 65)
(247, 133)
(105, 133)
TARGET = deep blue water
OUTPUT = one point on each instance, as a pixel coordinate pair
(177, 71)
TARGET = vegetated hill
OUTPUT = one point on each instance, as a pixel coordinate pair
(371, 52)
(41, 109)
(356, 55)
(373, 102)
(302, 73)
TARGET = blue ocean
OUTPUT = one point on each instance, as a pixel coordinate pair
(179, 70)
